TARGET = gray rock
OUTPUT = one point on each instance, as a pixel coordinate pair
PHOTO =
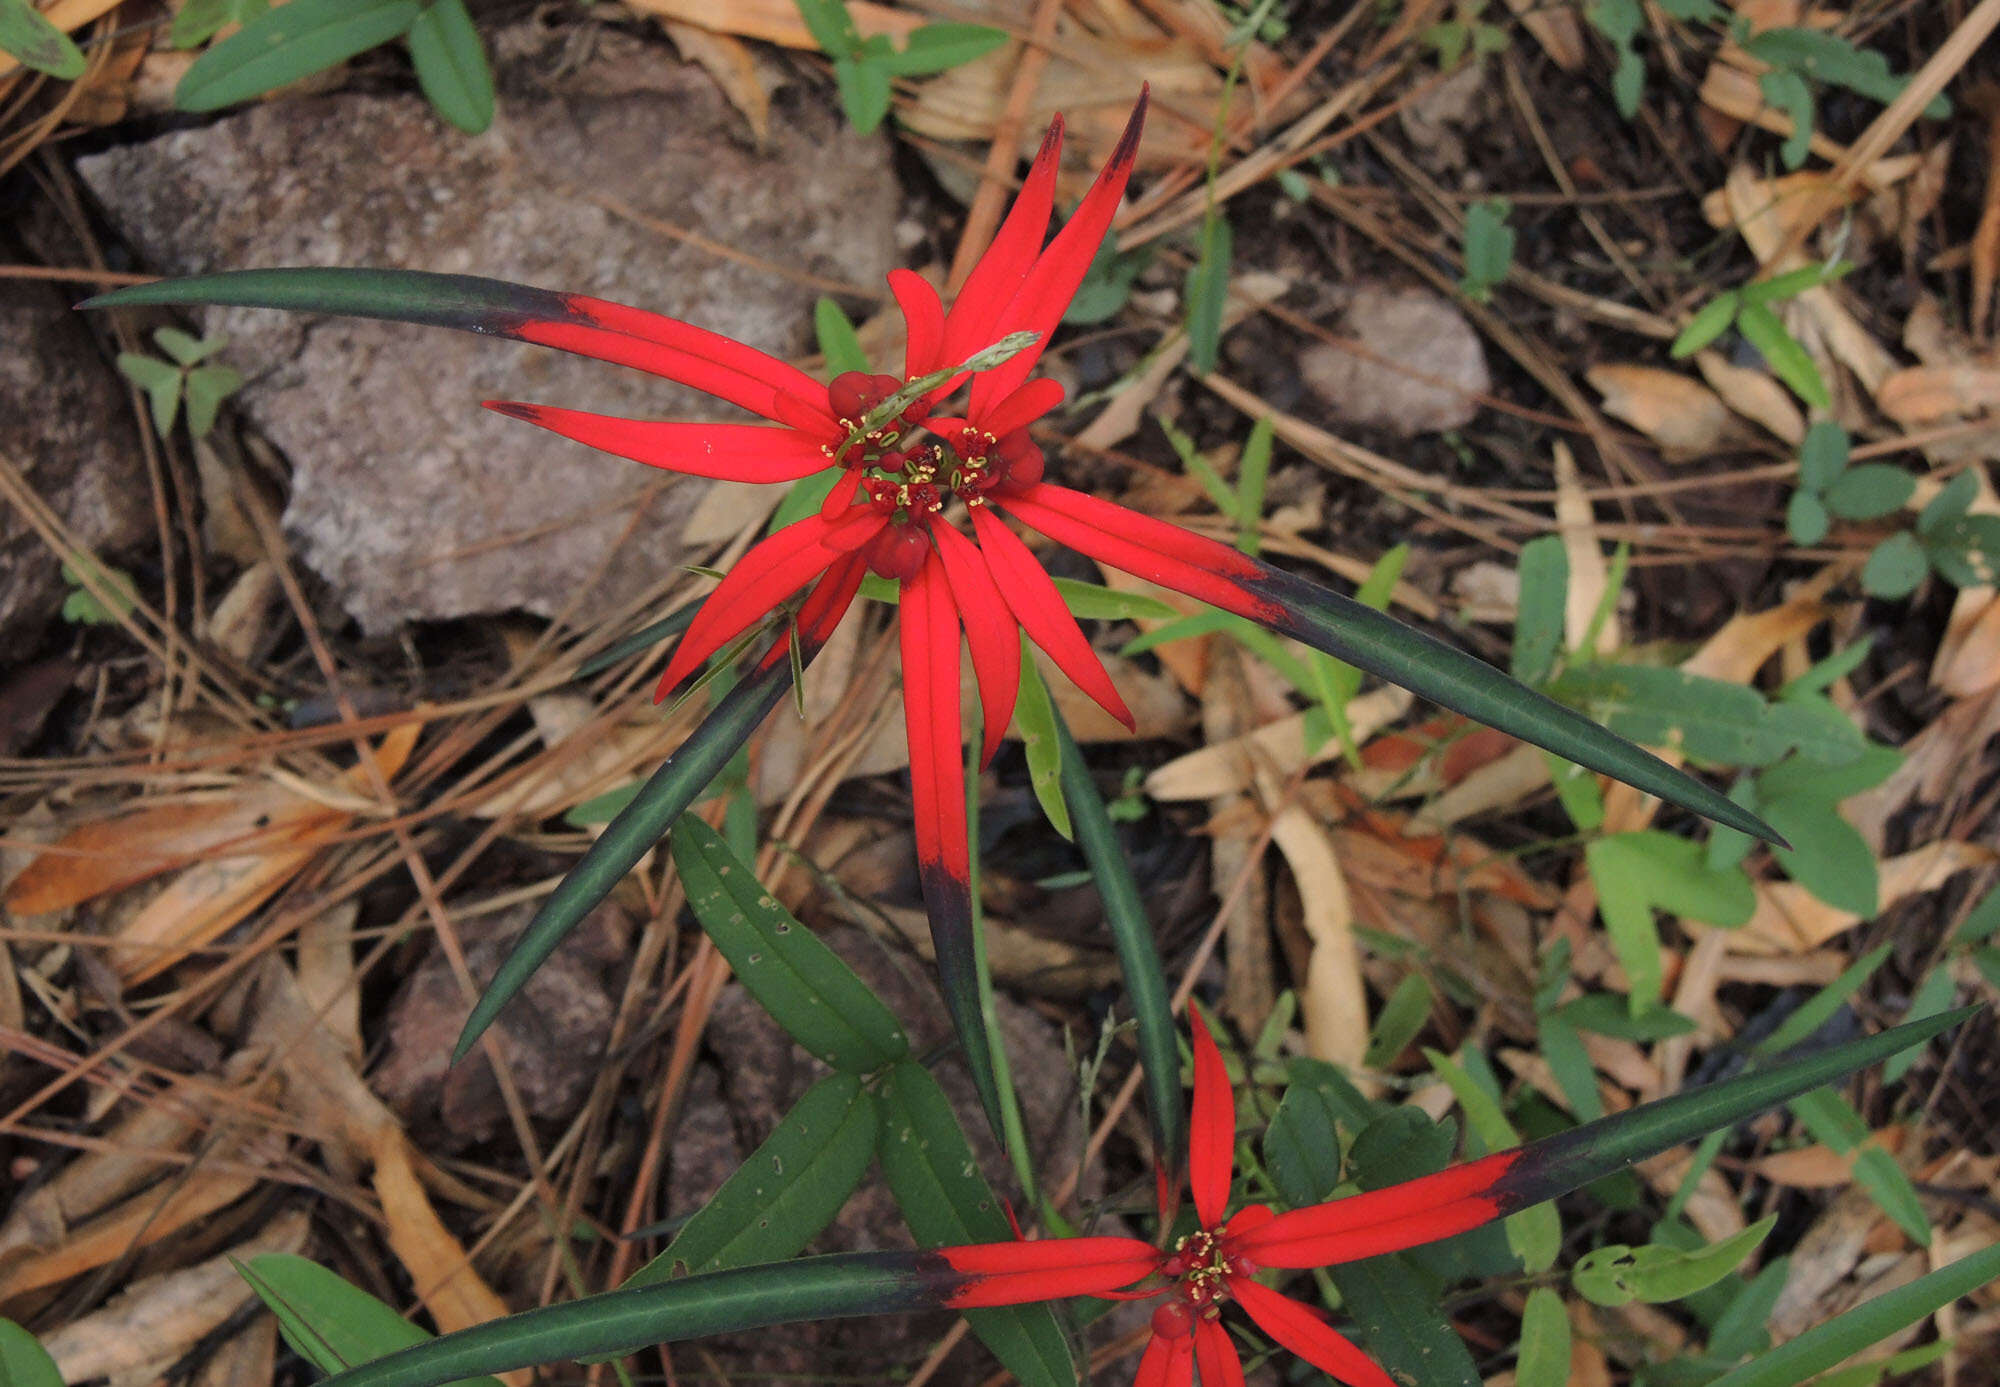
(1423, 366)
(70, 433)
(407, 497)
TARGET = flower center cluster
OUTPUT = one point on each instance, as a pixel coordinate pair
(1202, 1270)
(913, 466)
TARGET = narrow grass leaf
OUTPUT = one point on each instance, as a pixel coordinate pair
(1208, 291)
(802, 983)
(451, 65)
(1035, 716)
(1781, 351)
(1840, 1338)
(839, 343)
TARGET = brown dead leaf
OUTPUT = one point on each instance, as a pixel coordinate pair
(1228, 767)
(725, 58)
(1589, 572)
(1754, 395)
(1820, 1167)
(1333, 1004)
(1984, 253)
(1555, 29)
(776, 21)
(1677, 412)
(1919, 395)
(1790, 919)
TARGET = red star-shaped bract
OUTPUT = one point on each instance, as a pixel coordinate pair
(919, 500)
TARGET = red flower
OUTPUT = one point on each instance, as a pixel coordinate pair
(1215, 1265)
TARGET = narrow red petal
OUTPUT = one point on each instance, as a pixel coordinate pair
(731, 452)
(1051, 1269)
(990, 630)
(842, 495)
(680, 351)
(923, 320)
(928, 630)
(1211, 1127)
(1387, 1220)
(1046, 508)
(1167, 1362)
(1023, 407)
(829, 600)
(808, 416)
(1215, 1355)
(1044, 295)
(1300, 1329)
(1039, 607)
(970, 326)
(770, 572)
(1168, 539)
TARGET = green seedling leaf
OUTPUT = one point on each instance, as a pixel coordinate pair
(23, 1361)
(1824, 674)
(831, 26)
(1952, 501)
(865, 92)
(1146, 990)
(797, 978)
(1868, 491)
(937, 47)
(1793, 282)
(1895, 567)
(935, 1179)
(1789, 361)
(1544, 1356)
(1788, 92)
(1826, 57)
(110, 604)
(789, 1189)
(329, 1322)
(1828, 856)
(1833, 1122)
(1638, 873)
(1602, 1014)
(1035, 716)
(292, 41)
(1538, 622)
(198, 21)
(1489, 248)
(1966, 550)
(1095, 602)
(666, 795)
(451, 65)
(1840, 1338)
(1709, 719)
(1563, 1048)
(162, 384)
(27, 34)
(1806, 520)
(1403, 1016)
(1822, 455)
(839, 343)
(187, 349)
(1535, 1233)
(1619, 1275)
(205, 388)
(1208, 292)
(1708, 323)
(1107, 285)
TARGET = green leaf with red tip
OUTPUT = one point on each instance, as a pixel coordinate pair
(451, 65)
(935, 1178)
(1558, 1164)
(803, 984)
(690, 1307)
(640, 825)
(292, 41)
(1385, 647)
(1146, 990)
(789, 1189)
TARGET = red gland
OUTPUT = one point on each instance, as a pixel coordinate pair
(899, 552)
(854, 393)
(892, 461)
(1173, 1320)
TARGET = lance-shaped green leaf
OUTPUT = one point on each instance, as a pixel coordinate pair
(290, 42)
(1869, 1323)
(789, 1189)
(1382, 646)
(1132, 934)
(327, 1320)
(946, 1201)
(723, 1302)
(803, 984)
(631, 835)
